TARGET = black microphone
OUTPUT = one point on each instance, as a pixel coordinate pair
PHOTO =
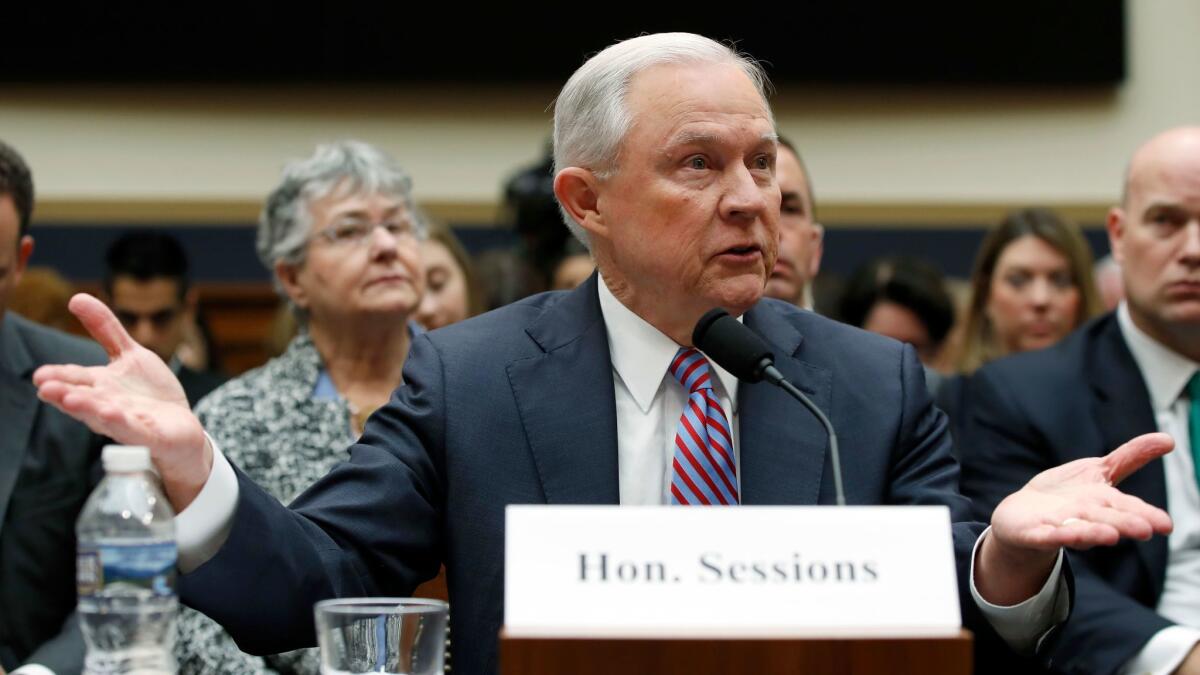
(744, 353)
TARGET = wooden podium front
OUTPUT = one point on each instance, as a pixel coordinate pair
(707, 656)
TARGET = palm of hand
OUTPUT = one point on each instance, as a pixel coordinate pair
(1076, 505)
(145, 404)
(135, 399)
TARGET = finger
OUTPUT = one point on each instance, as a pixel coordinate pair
(1126, 524)
(75, 401)
(1135, 454)
(103, 416)
(1073, 533)
(1159, 519)
(52, 392)
(100, 322)
(1082, 534)
(67, 373)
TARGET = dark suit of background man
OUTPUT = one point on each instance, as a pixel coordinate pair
(1127, 373)
(665, 149)
(148, 289)
(48, 463)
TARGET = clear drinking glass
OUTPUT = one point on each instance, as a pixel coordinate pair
(402, 636)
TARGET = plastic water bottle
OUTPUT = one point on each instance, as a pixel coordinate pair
(126, 569)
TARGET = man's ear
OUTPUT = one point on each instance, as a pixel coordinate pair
(817, 250)
(24, 251)
(1116, 223)
(578, 191)
(286, 273)
(190, 301)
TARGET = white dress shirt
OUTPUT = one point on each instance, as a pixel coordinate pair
(1166, 374)
(648, 404)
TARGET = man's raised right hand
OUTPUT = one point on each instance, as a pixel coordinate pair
(135, 400)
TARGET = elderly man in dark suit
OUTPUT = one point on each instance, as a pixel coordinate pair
(1129, 372)
(47, 464)
(665, 151)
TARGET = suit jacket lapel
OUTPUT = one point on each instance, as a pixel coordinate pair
(566, 401)
(18, 407)
(1122, 409)
(782, 445)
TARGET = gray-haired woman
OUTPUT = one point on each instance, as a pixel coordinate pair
(341, 235)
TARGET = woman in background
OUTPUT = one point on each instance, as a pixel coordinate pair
(451, 289)
(1032, 285)
(341, 235)
(573, 268)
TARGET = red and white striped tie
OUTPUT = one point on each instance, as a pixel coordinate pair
(702, 471)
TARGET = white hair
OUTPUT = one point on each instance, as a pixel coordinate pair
(285, 224)
(591, 117)
(284, 227)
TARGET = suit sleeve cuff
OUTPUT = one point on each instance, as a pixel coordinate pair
(202, 528)
(1023, 625)
(1164, 652)
(32, 669)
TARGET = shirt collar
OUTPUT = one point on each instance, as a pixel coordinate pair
(1166, 372)
(641, 353)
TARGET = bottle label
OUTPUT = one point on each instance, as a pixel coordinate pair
(145, 567)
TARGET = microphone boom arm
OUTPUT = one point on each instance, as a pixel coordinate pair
(772, 375)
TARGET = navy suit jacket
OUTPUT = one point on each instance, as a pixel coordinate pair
(517, 407)
(1080, 398)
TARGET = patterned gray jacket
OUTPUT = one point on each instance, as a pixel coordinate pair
(270, 425)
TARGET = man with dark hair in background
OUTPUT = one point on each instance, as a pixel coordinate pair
(148, 289)
(48, 464)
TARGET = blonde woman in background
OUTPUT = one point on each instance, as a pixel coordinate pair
(1032, 284)
(451, 289)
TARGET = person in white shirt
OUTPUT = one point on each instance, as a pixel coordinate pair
(1131, 371)
(665, 149)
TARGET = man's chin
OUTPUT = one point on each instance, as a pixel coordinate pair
(737, 298)
(1184, 313)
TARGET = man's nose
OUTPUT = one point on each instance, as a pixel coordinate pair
(1191, 244)
(143, 330)
(745, 198)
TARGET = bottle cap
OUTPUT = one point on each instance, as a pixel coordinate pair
(126, 458)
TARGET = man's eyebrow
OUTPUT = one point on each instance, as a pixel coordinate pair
(1162, 206)
(703, 137)
(689, 137)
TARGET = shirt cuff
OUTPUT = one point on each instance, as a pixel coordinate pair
(32, 669)
(1023, 625)
(1164, 652)
(202, 528)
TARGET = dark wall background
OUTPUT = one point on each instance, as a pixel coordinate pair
(226, 253)
(1061, 42)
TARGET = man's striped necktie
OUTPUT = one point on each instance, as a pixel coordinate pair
(702, 471)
